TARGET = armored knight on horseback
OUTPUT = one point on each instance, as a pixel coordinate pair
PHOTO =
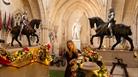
(24, 21)
(108, 26)
(104, 28)
(111, 21)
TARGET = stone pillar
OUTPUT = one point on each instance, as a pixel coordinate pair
(119, 9)
(44, 35)
(77, 43)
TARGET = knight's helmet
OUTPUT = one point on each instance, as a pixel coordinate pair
(24, 16)
(25, 12)
(111, 10)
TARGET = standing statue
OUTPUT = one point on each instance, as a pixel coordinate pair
(76, 30)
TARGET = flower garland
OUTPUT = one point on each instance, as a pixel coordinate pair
(5, 57)
(26, 55)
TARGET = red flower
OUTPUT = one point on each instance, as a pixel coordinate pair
(25, 49)
(48, 46)
(4, 61)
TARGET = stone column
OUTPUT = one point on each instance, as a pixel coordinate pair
(119, 9)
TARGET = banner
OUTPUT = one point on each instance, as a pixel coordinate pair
(4, 23)
(9, 23)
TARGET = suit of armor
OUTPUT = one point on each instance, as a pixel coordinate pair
(23, 22)
(111, 20)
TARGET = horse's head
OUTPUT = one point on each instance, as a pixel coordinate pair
(95, 20)
(38, 22)
(92, 21)
(35, 22)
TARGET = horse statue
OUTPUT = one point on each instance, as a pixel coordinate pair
(27, 30)
(118, 30)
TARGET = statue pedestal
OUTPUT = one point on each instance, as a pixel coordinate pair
(77, 44)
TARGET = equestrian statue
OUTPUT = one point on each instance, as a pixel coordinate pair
(110, 29)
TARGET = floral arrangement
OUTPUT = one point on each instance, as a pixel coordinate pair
(5, 57)
(44, 54)
(89, 55)
(22, 55)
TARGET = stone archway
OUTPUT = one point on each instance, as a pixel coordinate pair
(63, 13)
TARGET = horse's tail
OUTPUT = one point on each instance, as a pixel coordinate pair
(126, 30)
(129, 30)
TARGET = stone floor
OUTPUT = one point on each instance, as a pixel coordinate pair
(31, 70)
(39, 70)
(118, 72)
